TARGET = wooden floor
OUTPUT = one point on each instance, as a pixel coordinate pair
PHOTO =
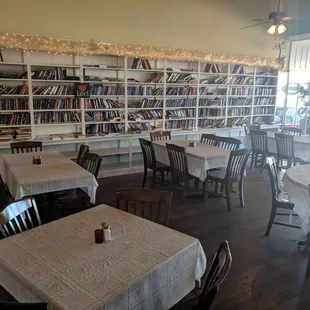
(266, 273)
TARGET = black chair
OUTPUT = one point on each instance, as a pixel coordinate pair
(160, 135)
(208, 139)
(150, 162)
(247, 128)
(4, 194)
(228, 143)
(26, 147)
(83, 151)
(259, 147)
(179, 167)
(291, 130)
(234, 173)
(12, 305)
(147, 203)
(19, 216)
(277, 201)
(285, 150)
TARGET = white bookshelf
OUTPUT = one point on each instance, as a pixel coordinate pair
(124, 147)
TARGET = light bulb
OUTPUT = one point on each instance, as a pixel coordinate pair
(272, 29)
(281, 28)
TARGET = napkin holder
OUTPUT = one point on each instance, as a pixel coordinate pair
(192, 143)
(37, 160)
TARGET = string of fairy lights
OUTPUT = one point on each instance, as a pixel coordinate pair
(49, 45)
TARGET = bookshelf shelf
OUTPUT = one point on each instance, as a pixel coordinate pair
(13, 126)
(187, 95)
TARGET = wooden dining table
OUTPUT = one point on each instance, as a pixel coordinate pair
(144, 266)
(57, 172)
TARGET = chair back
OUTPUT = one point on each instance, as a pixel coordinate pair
(147, 203)
(259, 140)
(83, 151)
(228, 143)
(4, 199)
(237, 163)
(273, 177)
(26, 147)
(178, 160)
(216, 275)
(149, 158)
(208, 139)
(92, 163)
(292, 131)
(19, 216)
(13, 305)
(247, 128)
(160, 135)
(285, 145)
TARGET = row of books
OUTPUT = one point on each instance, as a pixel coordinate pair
(239, 101)
(211, 112)
(106, 90)
(214, 80)
(57, 104)
(53, 90)
(105, 128)
(140, 91)
(264, 101)
(14, 104)
(139, 126)
(263, 110)
(145, 115)
(15, 119)
(211, 123)
(186, 102)
(56, 117)
(18, 134)
(181, 78)
(181, 124)
(210, 102)
(138, 62)
(212, 68)
(16, 90)
(238, 121)
(50, 74)
(241, 91)
(264, 81)
(100, 103)
(178, 91)
(104, 116)
(261, 91)
(170, 114)
(239, 111)
(241, 80)
(148, 103)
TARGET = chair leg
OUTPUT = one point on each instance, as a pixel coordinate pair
(144, 177)
(271, 220)
(215, 187)
(227, 192)
(153, 179)
(256, 159)
(185, 190)
(163, 178)
(263, 163)
(252, 160)
(241, 193)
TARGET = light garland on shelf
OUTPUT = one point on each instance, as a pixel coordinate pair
(83, 48)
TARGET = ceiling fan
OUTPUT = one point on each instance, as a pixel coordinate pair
(277, 19)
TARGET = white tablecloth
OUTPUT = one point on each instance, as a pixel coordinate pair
(295, 181)
(200, 158)
(57, 172)
(301, 145)
(145, 266)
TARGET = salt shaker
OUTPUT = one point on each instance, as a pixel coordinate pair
(107, 232)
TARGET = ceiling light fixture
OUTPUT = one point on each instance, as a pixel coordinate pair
(276, 29)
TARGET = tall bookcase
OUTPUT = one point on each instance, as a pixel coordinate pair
(170, 95)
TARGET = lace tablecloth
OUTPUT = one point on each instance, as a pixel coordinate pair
(301, 145)
(295, 181)
(145, 266)
(200, 158)
(57, 172)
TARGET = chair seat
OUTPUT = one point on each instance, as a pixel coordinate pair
(161, 166)
(217, 173)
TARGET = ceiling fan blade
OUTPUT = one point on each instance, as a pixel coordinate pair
(287, 18)
(260, 20)
(255, 25)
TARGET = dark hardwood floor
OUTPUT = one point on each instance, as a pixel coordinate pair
(266, 273)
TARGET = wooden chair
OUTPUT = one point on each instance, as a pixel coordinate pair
(208, 139)
(285, 150)
(147, 203)
(278, 201)
(19, 216)
(26, 147)
(160, 135)
(150, 162)
(259, 147)
(228, 143)
(4, 194)
(291, 131)
(12, 305)
(83, 151)
(76, 199)
(248, 128)
(216, 275)
(179, 167)
(232, 174)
